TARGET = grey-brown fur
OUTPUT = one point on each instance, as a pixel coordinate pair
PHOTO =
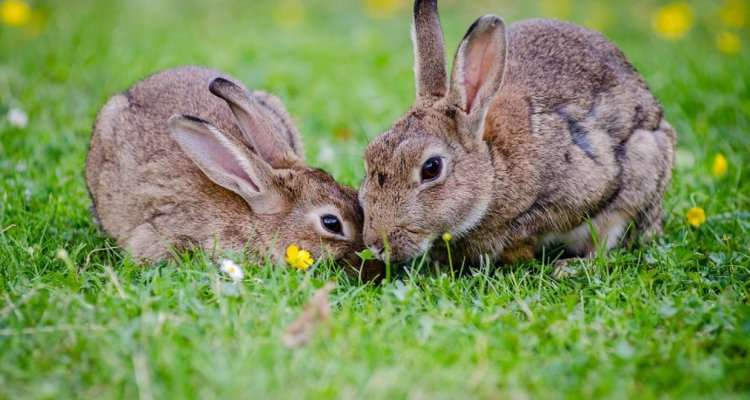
(149, 194)
(429, 51)
(571, 133)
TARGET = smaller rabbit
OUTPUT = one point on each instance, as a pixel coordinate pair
(543, 132)
(160, 175)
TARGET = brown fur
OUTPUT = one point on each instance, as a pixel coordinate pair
(571, 133)
(149, 194)
(429, 51)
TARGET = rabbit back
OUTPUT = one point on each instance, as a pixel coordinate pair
(584, 131)
(542, 127)
(141, 182)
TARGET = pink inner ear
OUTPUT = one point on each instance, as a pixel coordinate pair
(232, 166)
(219, 158)
(478, 59)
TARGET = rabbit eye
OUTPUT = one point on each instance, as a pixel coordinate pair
(332, 224)
(431, 169)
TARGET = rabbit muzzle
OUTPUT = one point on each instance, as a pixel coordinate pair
(398, 244)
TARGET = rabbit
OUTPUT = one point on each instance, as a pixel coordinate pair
(160, 176)
(544, 131)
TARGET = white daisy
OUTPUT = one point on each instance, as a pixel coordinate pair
(234, 271)
(17, 118)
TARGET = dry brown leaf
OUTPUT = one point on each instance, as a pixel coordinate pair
(316, 311)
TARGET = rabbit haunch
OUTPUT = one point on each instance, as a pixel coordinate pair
(239, 182)
(539, 130)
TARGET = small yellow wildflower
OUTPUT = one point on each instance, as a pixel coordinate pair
(696, 216)
(289, 14)
(380, 9)
(735, 13)
(720, 166)
(299, 259)
(447, 237)
(728, 42)
(673, 21)
(15, 12)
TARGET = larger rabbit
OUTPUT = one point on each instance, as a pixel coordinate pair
(541, 132)
(159, 180)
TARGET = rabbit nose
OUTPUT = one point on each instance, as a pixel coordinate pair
(374, 241)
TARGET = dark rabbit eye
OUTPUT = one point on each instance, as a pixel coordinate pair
(431, 169)
(332, 224)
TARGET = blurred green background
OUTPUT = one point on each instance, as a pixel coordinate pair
(670, 318)
(344, 68)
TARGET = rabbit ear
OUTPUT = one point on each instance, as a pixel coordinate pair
(266, 141)
(226, 163)
(429, 51)
(479, 67)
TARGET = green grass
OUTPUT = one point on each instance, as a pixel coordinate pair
(668, 320)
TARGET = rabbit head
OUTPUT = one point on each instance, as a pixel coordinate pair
(431, 172)
(291, 203)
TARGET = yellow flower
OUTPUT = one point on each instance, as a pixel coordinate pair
(735, 13)
(728, 42)
(289, 14)
(720, 166)
(299, 259)
(15, 12)
(673, 21)
(696, 216)
(380, 9)
(447, 237)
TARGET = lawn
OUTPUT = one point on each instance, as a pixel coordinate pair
(80, 320)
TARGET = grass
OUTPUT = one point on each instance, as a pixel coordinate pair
(670, 320)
